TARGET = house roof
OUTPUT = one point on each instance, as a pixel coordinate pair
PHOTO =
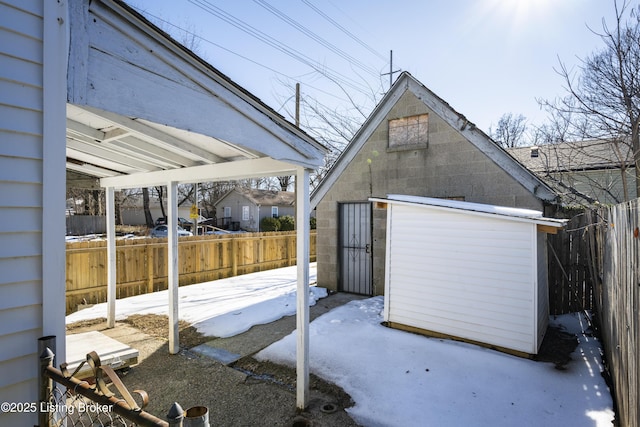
(264, 197)
(574, 156)
(143, 110)
(480, 209)
(406, 82)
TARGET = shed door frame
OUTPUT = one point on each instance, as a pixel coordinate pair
(355, 251)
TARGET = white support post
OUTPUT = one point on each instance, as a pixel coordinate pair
(54, 94)
(303, 210)
(172, 267)
(111, 258)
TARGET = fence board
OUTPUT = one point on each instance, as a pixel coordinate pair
(618, 300)
(142, 263)
(570, 271)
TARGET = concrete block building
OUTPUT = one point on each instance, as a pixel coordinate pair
(413, 143)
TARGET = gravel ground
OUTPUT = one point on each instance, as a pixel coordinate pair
(245, 393)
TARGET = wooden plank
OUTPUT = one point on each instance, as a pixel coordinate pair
(112, 352)
(547, 229)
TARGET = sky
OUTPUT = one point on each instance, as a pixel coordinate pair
(484, 57)
(396, 377)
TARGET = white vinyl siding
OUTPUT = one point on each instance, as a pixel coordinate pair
(32, 156)
(462, 275)
(21, 132)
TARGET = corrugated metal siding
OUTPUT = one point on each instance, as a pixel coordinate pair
(462, 275)
(21, 123)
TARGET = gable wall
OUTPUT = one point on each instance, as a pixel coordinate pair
(450, 166)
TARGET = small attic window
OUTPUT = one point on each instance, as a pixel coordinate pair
(534, 152)
(409, 131)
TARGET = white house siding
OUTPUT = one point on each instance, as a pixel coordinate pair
(462, 275)
(21, 122)
(25, 180)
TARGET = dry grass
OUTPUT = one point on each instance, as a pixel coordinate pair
(154, 325)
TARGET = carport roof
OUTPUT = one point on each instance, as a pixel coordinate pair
(143, 110)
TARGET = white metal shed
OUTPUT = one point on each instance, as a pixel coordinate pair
(467, 270)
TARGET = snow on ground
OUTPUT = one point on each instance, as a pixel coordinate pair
(397, 378)
(401, 379)
(220, 308)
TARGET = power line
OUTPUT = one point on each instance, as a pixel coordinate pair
(164, 21)
(265, 38)
(344, 30)
(302, 28)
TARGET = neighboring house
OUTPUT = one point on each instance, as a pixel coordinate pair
(243, 209)
(132, 211)
(413, 143)
(93, 87)
(583, 172)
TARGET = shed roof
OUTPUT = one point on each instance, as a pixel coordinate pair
(501, 212)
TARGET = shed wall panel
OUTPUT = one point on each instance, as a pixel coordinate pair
(462, 275)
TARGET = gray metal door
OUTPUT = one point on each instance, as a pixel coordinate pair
(355, 248)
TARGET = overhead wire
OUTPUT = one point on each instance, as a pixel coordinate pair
(272, 42)
(343, 29)
(164, 21)
(314, 36)
(265, 38)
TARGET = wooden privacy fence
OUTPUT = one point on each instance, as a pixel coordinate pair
(571, 255)
(141, 264)
(617, 299)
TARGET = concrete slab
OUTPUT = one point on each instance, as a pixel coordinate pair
(112, 352)
(261, 336)
(221, 355)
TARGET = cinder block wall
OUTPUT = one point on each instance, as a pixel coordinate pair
(449, 167)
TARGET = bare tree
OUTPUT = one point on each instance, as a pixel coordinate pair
(333, 126)
(510, 131)
(285, 182)
(145, 205)
(603, 94)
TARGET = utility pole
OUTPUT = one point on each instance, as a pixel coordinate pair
(298, 104)
(391, 71)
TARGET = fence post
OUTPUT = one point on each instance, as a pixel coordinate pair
(291, 245)
(150, 269)
(196, 416)
(234, 256)
(45, 387)
(175, 416)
